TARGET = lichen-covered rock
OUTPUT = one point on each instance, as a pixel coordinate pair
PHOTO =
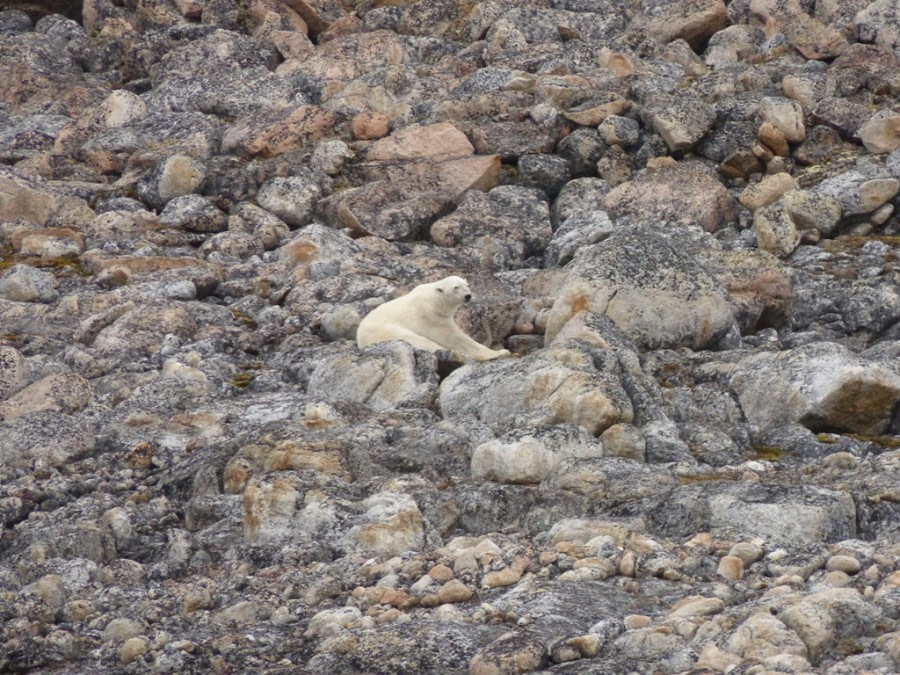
(820, 386)
(24, 283)
(679, 195)
(515, 219)
(529, 455)
(559, 386)
(655, 294)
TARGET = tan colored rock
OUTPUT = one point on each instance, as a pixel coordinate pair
(809, 210)
(785, 115)
(133, 649)
(512, 653)
(179, 175)
(768, 190)
(808, 36)
(22, 199)
(65, 392)
(637, 621)
(593, 113)
(52, 242)
(437, 142)
(774, 139)
(454, 591)
(274, 132)
(624, 440)
(674, 193)
(763, 635)
(713, 658)
(441, 573)
(409, 197)
(731, 567)
(873, 193)
(695, 605)
(775, 230)
(692, 20)
(370, 125)
(843, 563)
(757, 283)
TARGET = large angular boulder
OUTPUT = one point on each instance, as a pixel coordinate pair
(659, 296)
(557, 386)
(823, 386)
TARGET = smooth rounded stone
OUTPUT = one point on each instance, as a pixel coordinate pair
(370, 125)
(121, 629)
(810, 210)
(514, 393)
(193, 213)
(510, 654)
(775, 230)
(13, 371)
(624, 440)
(774, 139)
(747, 552)
(637, 621)
(763, 635)
(544, 172)
(767, 190)
(330, 622)
(24, 283)
(132, 649)
(529, 455)
(291, 198)
(731, 567)
(617, 130)
(843, 563)
(176, 176)
(122, 108)
(508, 576)
(658, 296)
(881, 133)
(696, 605)
(816, 385)
(454, 591)
(785, 115)
(857, 193)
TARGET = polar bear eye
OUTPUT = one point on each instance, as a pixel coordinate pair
(440, 290)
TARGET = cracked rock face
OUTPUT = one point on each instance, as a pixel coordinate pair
(679, 218)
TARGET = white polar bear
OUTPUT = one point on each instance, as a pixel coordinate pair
(424, 318)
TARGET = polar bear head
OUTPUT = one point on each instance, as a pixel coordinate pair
(451, 293)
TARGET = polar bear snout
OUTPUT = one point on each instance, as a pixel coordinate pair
(467, 297)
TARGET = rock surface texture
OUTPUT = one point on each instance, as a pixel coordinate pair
(679, 216)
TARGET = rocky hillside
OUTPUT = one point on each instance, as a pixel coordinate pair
(679, 215)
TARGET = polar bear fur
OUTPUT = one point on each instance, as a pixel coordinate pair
(424, 318)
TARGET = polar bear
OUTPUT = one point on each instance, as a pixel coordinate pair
(424, 318)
